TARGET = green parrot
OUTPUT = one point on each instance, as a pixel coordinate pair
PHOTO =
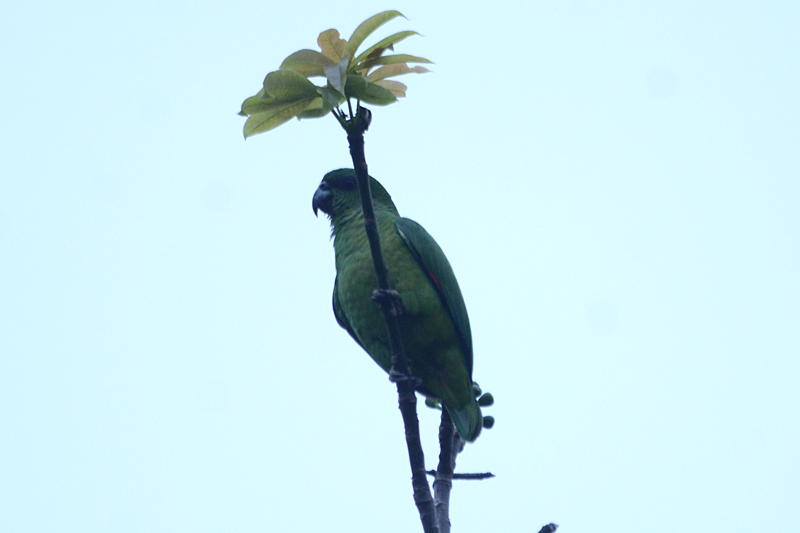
(434, 321)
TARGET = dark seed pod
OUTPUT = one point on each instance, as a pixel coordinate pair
(486, 400)
(433, 404)
(488, 422)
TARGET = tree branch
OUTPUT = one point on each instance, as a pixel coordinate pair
(449, 446)
(355, 127)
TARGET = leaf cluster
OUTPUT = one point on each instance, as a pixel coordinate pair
(348, 74)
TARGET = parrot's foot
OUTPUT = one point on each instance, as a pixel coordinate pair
(397, 377)
(390, 299)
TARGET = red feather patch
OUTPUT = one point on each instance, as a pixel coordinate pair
(433, 278)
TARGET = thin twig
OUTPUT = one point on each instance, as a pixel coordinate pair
(477, 476)
(407, 397)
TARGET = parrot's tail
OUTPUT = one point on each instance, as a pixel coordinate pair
(468, 420)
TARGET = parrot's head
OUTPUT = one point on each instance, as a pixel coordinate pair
(337, 196)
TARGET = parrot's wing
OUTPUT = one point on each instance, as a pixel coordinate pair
(433, 261)
(341, 318)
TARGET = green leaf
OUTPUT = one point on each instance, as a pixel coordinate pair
(366, 28)
(396, 69)
(398, 89)
(249, 102)
(360, 88)
(268, 120)
(391, 60)
(260, 104)
(331, 45)
(318, 108)
(386, 43)
(287, 86)
(337, 74)
(263, 106)
(306, 62)
(331, 96)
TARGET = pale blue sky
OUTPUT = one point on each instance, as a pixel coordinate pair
(615, 185)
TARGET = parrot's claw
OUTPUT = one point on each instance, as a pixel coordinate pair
(397, 377)
(389, 298)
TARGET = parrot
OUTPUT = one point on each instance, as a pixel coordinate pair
(434, 323)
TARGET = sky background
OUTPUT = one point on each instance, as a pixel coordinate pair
(615, 185)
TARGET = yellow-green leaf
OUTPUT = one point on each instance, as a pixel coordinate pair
(366, 28)
(389, 42)
(287, 86)
(306, 62)
(387, 71)
(395, 87)
(268, 120)
(391, 60)
(332, 45)
(362, 89)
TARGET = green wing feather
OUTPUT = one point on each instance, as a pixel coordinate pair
(433, 261)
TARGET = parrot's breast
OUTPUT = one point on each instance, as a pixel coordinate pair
(429, 335)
